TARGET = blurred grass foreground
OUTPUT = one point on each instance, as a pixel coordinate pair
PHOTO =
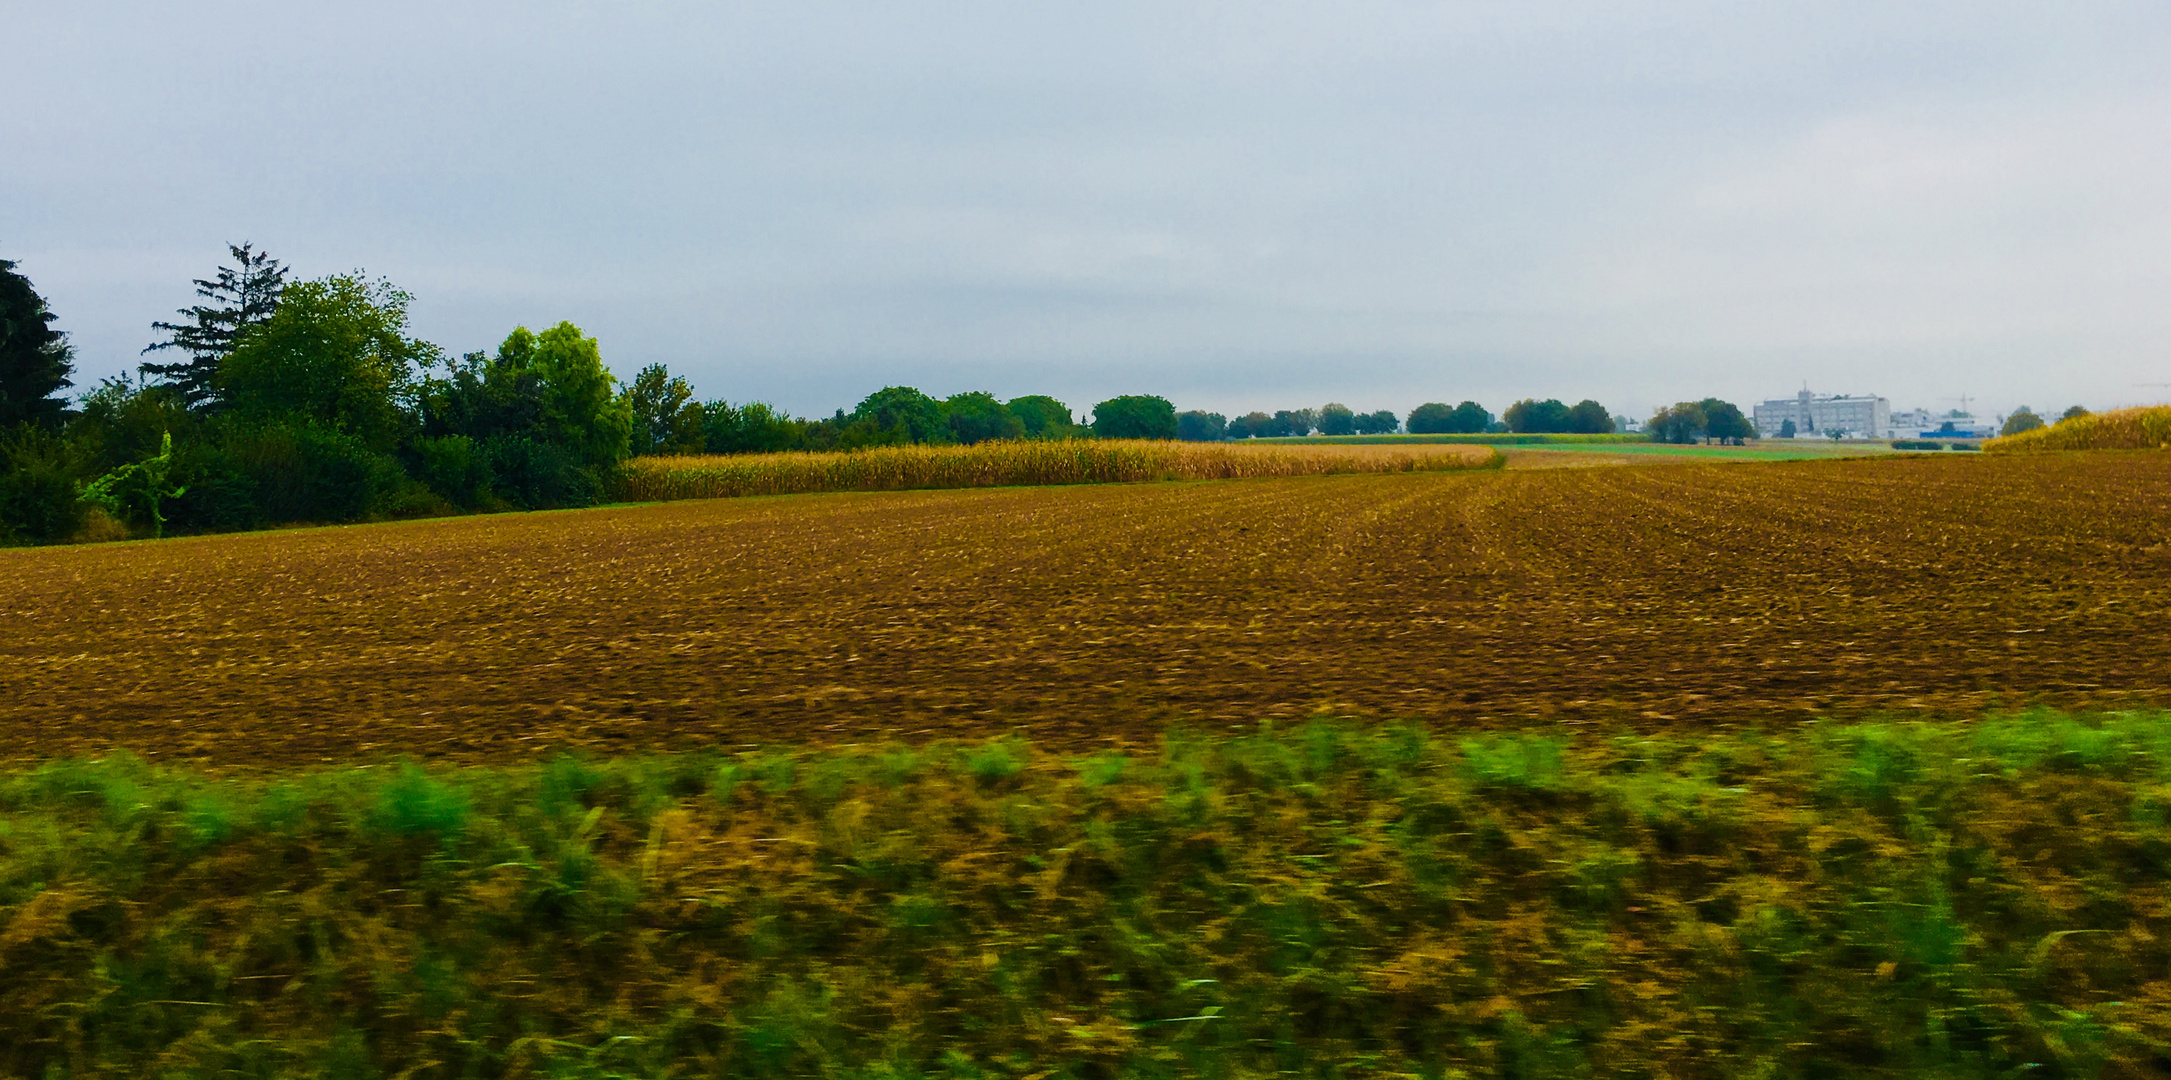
(1863, 899)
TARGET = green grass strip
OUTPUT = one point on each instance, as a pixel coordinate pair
(1965, 899)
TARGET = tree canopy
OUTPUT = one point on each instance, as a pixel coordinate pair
(1336, 418)
(35, 360)
(1723, 421)
(2021, 419)
(1199, 426)
(1530, 416)
(1381, 422)
(900, 414)
(1683, 422)
(977, 417)
(1588, 417)
(335, 352)
(665, 417)
(1043, 416)
(243, 297)
(1135, 416)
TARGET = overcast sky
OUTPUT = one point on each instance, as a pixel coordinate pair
(1235, 205)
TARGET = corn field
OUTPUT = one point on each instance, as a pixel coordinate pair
(2125, 429)
(1017, 464)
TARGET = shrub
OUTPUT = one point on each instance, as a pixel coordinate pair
(300, 471)
(38, 502)
(536, 475)
(453, 466)
(2022, 419)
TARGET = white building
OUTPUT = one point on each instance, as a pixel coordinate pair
(1854, 416)
(1925, 424)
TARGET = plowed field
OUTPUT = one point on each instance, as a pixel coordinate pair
(1638, 595)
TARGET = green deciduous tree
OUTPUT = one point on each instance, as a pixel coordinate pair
(1432, 418)
(666, 419)
(753, 428)
(336, 353)
(2074, 413)
(1251, 425)
(1588, 417)
(2021, 419)
(1199, 426)
(1679, 423)
(1723, 421)
(243, 297)
(1382, 422)
(581, 410)
(1336, 418)
(976, 417)
(1135, 416)
(1470, 418)
(1043, 416)
(898, 414)
(1530, 416)
(35, 360)
(538, 424)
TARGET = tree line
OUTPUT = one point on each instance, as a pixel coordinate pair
(275, 399)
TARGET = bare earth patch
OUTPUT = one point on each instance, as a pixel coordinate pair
(1691, 593)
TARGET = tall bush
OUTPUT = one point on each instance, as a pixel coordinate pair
(298, 470)
(38, 479)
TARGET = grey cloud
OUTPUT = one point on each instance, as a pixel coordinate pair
(1235, 204)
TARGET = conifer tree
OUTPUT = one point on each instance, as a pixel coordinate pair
(35, 360)
(242, 297)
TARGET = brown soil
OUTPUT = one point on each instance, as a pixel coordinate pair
(1633, 595)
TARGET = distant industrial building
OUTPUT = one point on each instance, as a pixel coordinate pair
(1851, 416)
(1924, 424)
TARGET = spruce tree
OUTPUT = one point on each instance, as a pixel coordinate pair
(35, 360)
(243, 297)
